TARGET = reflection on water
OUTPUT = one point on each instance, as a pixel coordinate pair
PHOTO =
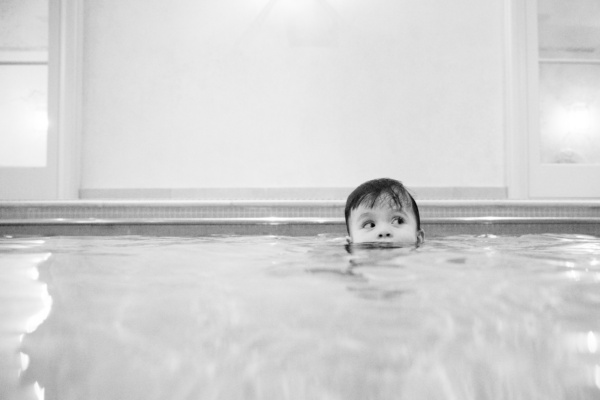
(24, 305)
(461, 317)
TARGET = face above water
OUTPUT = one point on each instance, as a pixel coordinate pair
(383, 225)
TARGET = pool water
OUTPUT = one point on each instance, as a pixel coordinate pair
(265, 317)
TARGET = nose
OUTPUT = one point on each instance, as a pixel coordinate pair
(385, 234)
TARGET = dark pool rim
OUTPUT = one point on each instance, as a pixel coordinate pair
(284, 221)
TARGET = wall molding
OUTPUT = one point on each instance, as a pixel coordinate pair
(516, 120)
(66, 70)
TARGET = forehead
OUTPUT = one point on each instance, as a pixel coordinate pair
(363, 210)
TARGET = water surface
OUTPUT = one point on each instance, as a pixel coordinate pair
(264, 317)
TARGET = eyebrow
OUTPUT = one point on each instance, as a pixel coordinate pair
(364, 215)
(368, 214)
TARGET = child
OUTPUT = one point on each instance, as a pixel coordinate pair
(382, 211)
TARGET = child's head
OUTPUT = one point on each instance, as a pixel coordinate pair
(382, 210)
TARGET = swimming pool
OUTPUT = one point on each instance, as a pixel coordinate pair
(279, 317)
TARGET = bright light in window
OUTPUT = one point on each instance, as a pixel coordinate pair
(39, 121)
(578, 117)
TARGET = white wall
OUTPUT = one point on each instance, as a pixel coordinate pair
(306, 93)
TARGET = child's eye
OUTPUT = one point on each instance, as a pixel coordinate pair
(398, 220)
(368, 224)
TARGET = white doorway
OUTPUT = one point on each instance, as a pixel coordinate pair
(39, 100)
(27, 146)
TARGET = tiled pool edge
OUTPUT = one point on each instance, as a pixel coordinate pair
(200, 218)
(111, 209)
(433, 227)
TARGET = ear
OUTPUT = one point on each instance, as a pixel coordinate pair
(420, 237)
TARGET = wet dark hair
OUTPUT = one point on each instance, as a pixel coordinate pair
(378, 191)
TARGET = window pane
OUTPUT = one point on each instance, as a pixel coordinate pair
(23, 79)
(24, 122)
(569, 29)
(570, 113)
(23, 25)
